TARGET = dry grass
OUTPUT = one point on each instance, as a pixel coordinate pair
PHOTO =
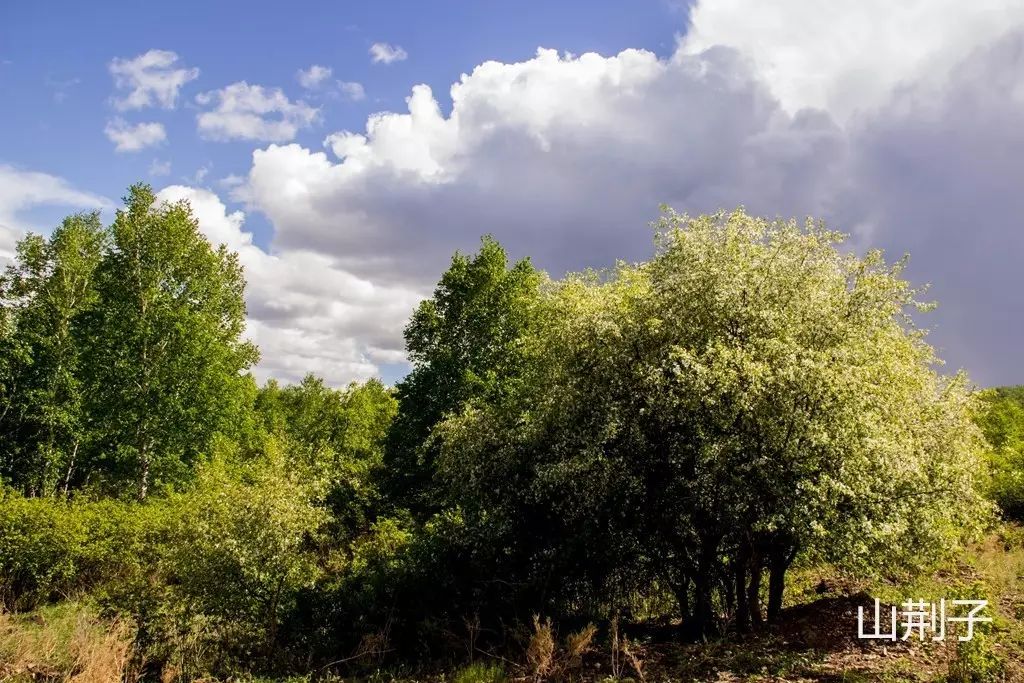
(546, 661)
(540, 652)
(65, 643)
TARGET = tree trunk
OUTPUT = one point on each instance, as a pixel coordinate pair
(740, 577)
(143, 473)
(754, 588)
(703, 609)
(729, 593)
(71, 467)
(681, 591)
(780, 561)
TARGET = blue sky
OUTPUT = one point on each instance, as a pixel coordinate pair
(345, 191)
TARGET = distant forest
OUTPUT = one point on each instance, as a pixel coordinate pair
(660, 443)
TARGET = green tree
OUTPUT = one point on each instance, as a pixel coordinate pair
(242, 546)
(465, 341)
(338, 436)
(751, 394)
(45, 296)
(167, 359)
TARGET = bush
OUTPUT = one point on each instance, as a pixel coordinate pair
(207, 574)
(54, 548)
(1001, 418)
(976, 662)
(241, 545)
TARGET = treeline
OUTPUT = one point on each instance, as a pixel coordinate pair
(663, 440)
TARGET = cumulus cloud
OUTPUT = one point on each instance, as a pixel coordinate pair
(129, 138)
(848, 56)
(938, 175)
(251, 112)
(313, 77)
(21, 190)
(150, 79)
(910, 139)
(385, 53)
(564, 158)
(305, 312)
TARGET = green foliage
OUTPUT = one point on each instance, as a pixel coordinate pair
(669, 436)
(240, 547)
(208, 573)
(1001, 417)
(120, 356)
(45, 296)
(976, 662)
(338, 435)
(52, 549)
(751, 393)
(465, 342)
(167, 356)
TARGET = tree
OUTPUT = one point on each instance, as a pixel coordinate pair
(465, 341)
(794, 404)
(750, 394)
(167, 356)
(46, 295)
(338, 436)
(242, 544)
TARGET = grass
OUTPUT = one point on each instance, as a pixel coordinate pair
(65, 642)
(480, 672)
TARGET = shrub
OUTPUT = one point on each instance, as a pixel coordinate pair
(39, 550)
(976, 662)
(54, 548)
(240, 548)
(1001, 418)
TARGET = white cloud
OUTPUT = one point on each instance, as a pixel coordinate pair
(313, 77)
(129, 138)
(21, 190)
(151, 79)
(848, 55)
(304, 312)
(251, 112)
(910, 141)
(385, 53)
(231, 181)
(352, 90)
(159, 168)
(562, 158)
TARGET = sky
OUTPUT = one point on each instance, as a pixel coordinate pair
(346, 149)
